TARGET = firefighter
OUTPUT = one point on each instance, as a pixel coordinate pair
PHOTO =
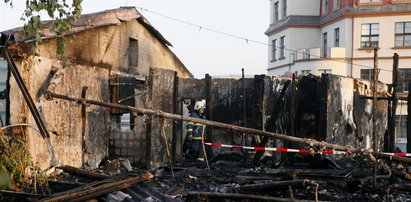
(194, 132)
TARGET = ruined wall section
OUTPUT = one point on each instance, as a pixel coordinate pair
(162, 99)
(63, 118)
(348, 117)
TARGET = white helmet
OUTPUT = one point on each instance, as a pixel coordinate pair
(199, 105)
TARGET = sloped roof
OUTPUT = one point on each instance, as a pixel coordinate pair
(89, 21)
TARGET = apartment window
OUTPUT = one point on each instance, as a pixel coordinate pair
(367, 74)
(325, 45)
(276, 11)
(337, 4)
(337, 37)
(274, 46)
(284, 8)
(282, 47)
(324, 71)
(325, 6)
(133, 52)
(404, 77)
(370, 35)
(403, 34)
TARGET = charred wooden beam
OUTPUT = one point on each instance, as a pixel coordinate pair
(158, 113)
(83, 173)
(271, 123)
(403, 186)
(21, 194)
(383, 98)
(250, 177)
(99, 190)
(83, 122)
(237, 196)
(277, 185)
(391, 129)
(374, 102)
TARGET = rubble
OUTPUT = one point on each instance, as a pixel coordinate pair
(235, 181)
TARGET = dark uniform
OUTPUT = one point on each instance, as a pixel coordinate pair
(194, 132)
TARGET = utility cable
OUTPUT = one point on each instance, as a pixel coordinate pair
(247, 40)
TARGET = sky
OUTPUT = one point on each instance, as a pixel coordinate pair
(201, 51)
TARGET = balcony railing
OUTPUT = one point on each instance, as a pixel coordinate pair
(397, 6)
(315, 53)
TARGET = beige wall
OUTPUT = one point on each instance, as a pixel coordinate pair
(386, 35)
(62, 118)
(386, 46)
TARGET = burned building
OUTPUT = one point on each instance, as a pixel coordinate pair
(113, 56)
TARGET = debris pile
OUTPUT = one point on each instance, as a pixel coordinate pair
(348, 178)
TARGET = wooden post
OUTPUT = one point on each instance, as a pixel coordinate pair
(83, 122)
(176, 145)
(244, 106)
(409, 120)
(209, 110)
(374, 102)
(394, 103)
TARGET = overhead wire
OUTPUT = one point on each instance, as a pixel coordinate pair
(247, 40)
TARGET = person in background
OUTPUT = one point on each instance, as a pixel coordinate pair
(194, 132)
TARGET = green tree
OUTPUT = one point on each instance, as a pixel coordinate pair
(62, 12)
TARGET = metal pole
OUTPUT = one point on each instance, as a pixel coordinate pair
(158, 113)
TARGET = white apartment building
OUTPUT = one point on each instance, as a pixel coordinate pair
(338, 37)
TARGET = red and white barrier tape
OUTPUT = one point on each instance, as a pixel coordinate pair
(289, 150)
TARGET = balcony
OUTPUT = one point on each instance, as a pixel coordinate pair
(316, 53)
(396, 6)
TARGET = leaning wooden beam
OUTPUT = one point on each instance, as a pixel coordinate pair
(83, 173)
(26, 95)
(237, 196)
(99, 190)
(158, 113)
